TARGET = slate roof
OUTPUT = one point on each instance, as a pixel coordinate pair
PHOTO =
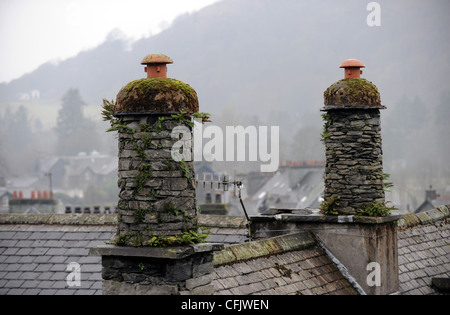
(225, 229)
(35, 251)
(75, 165)
(285, 190)
(297, 266)
(34, 258)
(424, 251)
(430, 204)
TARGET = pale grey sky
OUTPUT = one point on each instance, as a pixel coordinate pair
(33, 32)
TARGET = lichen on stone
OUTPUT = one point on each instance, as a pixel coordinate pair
(352, 92)
(159, 95)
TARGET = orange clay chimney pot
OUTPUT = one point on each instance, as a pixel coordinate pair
(352, 68)
(156, 65)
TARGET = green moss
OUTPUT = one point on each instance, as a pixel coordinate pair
(144, 174)
(169, 164)
(160, 84)
(120, 240)
(137, 239)
(329, 206)
(139, 216)
(188, 237)
(185, 169)
(169, 208)
(205, 117)
(161, 95)
(146, 141)
(378, 209)
(327, 122)
(387, 185)
(357, 92)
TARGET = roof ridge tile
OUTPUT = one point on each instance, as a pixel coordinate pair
(261, 248)
(423, 218)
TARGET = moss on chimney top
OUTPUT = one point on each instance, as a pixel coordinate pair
(352, 92)
(159, 95)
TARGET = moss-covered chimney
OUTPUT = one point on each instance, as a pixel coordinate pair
(157, 193)
(354, 160)
(156, 249)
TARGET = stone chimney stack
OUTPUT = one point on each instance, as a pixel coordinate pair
(365, 242)
(354, 160)
(156, 249)
(157, 194)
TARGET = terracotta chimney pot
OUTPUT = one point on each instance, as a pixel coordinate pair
(156, 65)
(352, 68)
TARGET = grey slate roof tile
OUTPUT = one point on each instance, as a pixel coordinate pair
(32, 284)
(24, 251)
(423, 255)
(74, 236)
(42, 259)
(55, 260)
(14, 291)
(14, 283)
(45, 276)
(11, 259)
(39, 251)
(48, 292)
(8, 243)
(34, 261)
(77, 252)
(56, 251)
(12, 267)
(43, 267)
(297, 272)
(34, 258)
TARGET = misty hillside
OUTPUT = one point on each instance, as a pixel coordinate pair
(264, 55)
(268, 62)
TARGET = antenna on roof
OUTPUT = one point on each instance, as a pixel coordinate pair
(225, 183)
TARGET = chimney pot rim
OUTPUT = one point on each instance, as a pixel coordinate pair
(157, 58)
(352, 63)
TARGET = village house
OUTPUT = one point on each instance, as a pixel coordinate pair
(76, 172)
(432, 200)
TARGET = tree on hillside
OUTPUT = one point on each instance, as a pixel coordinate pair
(70, 116)
(21, 129)
(442, 129)
(17, 142)
(3, 154)
(75, 132)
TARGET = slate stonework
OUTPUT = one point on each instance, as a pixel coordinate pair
(157, 193)
(157, 210)
(354, 167)
(157, 271)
